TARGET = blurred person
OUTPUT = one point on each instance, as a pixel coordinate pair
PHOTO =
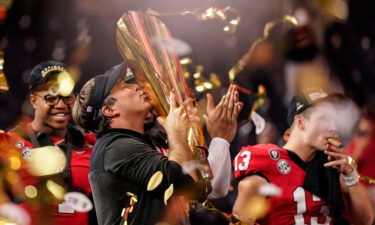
(362, 147)
(269, 134)
(10, 211)
(50, 127)
(306, 65)
(307, 169)
(125, 157)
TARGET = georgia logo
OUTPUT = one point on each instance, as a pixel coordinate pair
(19, 144)
(283, 166)
(274, 154)
(78, 152)
(26, 153)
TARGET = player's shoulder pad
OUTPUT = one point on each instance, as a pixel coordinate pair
(256, 160)
(260, 150)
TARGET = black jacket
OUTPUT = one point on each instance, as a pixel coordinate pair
(124, 161)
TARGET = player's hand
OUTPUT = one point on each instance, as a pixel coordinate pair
(338, 159)
(221, 120)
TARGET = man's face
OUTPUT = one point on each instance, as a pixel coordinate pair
(319, 125)
(53, 111)
(131, 99)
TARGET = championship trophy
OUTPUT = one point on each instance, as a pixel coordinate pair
(157, 69)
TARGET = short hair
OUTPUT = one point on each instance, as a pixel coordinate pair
(82, 116)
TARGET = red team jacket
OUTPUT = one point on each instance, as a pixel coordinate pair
(79, 166)
(284, 169)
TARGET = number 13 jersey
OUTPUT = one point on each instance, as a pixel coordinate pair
(287, 171)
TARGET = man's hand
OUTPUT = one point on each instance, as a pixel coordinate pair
(176, 123)
(338, 159)
(221, 120)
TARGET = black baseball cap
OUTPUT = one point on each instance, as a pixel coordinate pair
(102, 88)
(303, 100)
(44, 70)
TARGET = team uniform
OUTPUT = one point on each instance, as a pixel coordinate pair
(286, 170)
(78, 148)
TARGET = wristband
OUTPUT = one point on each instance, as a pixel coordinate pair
(351, 179)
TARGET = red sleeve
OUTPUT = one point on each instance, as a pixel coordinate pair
(252, 160)
(3, 146)
(24, 149)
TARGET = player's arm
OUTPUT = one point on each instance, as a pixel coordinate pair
(357, 201)
(247, 188)
(358, 206)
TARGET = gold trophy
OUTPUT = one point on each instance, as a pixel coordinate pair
(140, 39)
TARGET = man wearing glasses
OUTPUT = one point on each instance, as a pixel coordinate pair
(50, 127)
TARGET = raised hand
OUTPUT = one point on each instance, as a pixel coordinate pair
(221, 121)
(175, 124)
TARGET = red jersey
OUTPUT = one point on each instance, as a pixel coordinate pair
(82, 146)
(280, 167)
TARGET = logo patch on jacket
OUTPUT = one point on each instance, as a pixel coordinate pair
(80, 152)
(19, 144)
(26, 153)
(274, 154)
(283, 166)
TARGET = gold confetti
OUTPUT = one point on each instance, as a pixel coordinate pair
(14, 163)
(55, 189)
(215, 80)
(6, 222)
(31, 191)
(168, 193)
(47, 161)
(261, 99)
(66, 83)
(335, 8)
(186, 61)
(12, 177)
(199, 88)
(367, 179)
(228, 15)
(257, 207)
(155, 181)
(207, 85)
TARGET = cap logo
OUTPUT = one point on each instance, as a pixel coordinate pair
(317, 95)
(52, 68)
(129, 72)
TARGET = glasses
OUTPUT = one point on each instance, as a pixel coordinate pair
(53, 100)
